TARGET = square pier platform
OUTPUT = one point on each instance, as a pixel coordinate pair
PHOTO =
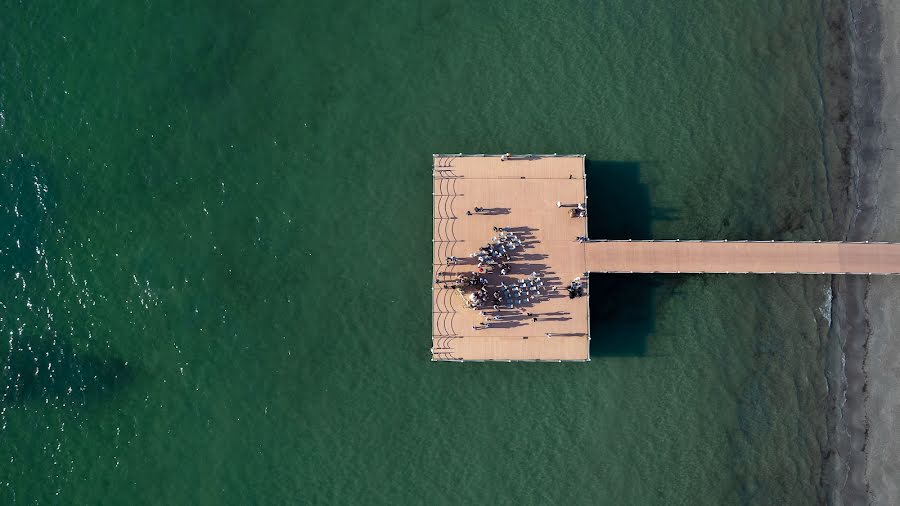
(537, 197)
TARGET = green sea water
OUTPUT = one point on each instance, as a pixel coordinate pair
(215, 252)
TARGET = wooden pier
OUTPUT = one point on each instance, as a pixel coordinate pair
(743, 257)
(519, 193)
(538, 198)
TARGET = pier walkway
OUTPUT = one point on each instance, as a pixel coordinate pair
(744, 257)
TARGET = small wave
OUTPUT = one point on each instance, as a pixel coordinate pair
(825, 306)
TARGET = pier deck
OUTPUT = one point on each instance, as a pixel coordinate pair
(520, 193)
(743, 257)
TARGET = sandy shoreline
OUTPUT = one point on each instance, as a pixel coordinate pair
(861, 465)
(882, 360)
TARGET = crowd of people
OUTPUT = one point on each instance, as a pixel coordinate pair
(497, 252)
(520, 292)
(478, 295)
(473, 287)
(495, 257)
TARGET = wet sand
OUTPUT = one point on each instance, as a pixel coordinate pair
(862, 460)
(857, 463)
(882, 359)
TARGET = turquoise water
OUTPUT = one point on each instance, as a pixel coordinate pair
(215, 257)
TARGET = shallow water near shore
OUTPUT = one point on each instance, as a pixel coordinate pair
(215, 268)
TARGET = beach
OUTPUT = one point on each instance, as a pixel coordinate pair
(882, 355)
(861, 464)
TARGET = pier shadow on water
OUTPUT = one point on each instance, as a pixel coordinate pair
(45, 318)
(618, 202)
(622, 305)
(41, 372)
(623, 313)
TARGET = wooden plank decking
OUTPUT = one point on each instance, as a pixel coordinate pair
(520, 193)
(743, 257)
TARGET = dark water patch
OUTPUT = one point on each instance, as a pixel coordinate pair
(619, 204)
(38, 370)
(211, 65)
(623, 311)
(622, 305)
(49, 305)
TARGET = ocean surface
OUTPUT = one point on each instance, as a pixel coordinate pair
(215, 225)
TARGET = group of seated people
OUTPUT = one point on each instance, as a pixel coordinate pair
(506, 296)
(519, 292)
(497, 252)
(576, 289)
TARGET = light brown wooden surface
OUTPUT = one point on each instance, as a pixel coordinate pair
(523, 194)
(743, 257)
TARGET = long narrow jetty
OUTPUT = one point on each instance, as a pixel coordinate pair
(540, 198)
(743, 257)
